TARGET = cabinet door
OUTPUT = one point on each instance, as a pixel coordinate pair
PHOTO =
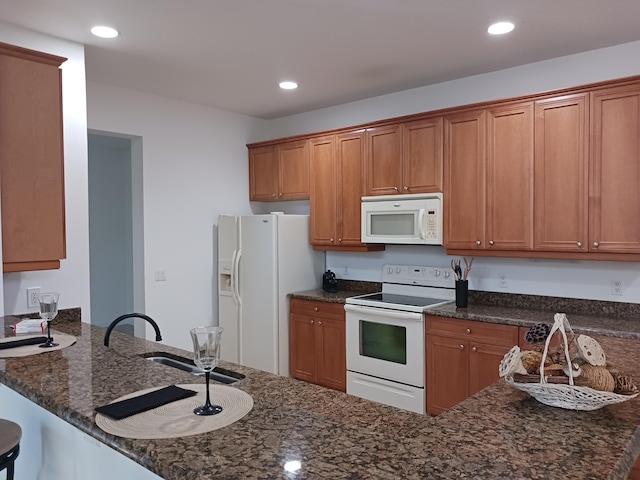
(263, 174)
(31, 160)
(484, 363)
(615, 170)
(464, 176)
(447, 373)
(350, 168)
(383, 171)
(561, 173)
(331, 345)
(422, 156)
(293, 165)
(302, 352)
(323, 191)
(509, 221)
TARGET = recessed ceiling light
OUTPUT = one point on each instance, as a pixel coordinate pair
(104, 32)
(288, 85)
(500, 28)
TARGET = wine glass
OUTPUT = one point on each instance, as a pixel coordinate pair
(48, 311)
(206, 355)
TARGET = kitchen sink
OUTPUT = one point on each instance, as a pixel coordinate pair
(218, 374)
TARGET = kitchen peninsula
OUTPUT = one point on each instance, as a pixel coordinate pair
(499, 433)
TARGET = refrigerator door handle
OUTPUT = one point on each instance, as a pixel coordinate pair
(233, 277)
(236, 280)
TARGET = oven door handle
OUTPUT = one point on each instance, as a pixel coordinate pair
(383, 312)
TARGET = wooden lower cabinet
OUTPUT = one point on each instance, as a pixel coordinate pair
(317, 343)
(462, 358)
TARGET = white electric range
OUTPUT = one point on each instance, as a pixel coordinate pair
(385, 335)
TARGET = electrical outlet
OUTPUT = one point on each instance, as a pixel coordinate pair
(616, 287)
(32, 297)
(502, 281)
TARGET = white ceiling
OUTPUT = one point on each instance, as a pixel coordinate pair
(231, 54)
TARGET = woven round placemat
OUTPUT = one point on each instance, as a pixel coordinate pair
(62, 339)
(177, 419)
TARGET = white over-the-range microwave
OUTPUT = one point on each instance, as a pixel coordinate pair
(414, 219)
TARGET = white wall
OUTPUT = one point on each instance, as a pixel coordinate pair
(195, 167)
(575, 279)
(72, 280)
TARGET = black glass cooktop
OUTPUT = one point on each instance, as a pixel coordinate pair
(401, 299)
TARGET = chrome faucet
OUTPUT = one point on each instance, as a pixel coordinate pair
(129, 315)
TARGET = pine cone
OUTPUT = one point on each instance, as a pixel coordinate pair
(624, 384)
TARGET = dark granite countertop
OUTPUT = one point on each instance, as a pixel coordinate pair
(499, 433)
(585, 316)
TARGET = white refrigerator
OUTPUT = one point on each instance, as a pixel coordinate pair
(261, 259)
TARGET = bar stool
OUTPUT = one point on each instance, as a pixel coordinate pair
(10, 435)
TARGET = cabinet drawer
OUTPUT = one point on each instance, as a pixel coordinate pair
(491, 333)
(314, 308)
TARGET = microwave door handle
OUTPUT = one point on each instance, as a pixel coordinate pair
(421, 223)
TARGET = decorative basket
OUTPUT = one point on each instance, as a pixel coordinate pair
(571, 396)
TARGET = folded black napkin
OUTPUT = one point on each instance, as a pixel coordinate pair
(142, 403)
(22, 342)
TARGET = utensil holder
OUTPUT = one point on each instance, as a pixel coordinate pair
(462, 293)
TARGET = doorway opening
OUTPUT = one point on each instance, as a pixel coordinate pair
(116, 233)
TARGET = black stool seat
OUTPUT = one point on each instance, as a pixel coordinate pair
(10, 435)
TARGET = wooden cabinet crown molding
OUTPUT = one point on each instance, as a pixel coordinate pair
(31, 55)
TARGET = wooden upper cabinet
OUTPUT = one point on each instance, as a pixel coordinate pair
(336, 163)
(509, 177)
(263, 174)
(561, 173)
(31, 160)
(422, 155)
(350, 182)
(293, 166)
(489, 179)
(323, 190)
(279, 172)
(614, 211)
(464, 167)
(383, 172)
(404, 157)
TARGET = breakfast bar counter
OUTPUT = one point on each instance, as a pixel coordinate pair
(298, 430)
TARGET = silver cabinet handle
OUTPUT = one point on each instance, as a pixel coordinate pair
(461, 347)
(478, 242)
(490, 242)
(395, 188)
(579, 244)
(468, 330)
(596, 244)
(405, 188)
(331, 240)
(339, 240)
(280, 194)
(319, 323)
(311, 322)
(273, 194)
(474, 349)
(315, 309)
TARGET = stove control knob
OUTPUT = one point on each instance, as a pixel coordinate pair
(437, 273)
(446, 274)
(398, 269)
(390, 270)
